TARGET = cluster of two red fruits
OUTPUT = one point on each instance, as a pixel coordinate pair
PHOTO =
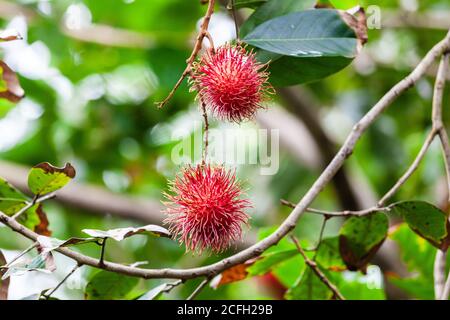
(205, 206)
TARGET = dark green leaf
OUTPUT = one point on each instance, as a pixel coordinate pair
(310, 33)
(360, 238)
(106, 285)
(328, 255)
(426, 220)
(272, 9)
(45, 178)
(287, 71)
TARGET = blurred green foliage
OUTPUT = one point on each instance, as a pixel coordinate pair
(93, 105)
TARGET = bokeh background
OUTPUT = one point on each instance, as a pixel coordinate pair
(93, 70)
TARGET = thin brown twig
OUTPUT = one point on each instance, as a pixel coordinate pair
(205, 131)
(102, 253)
(47, 296)
(317, 271)
(331, 214)
(20, 255)
(412, 168)
(199, 288)
(197, 47)
(321, 232)
(232, 7)
(36, 199)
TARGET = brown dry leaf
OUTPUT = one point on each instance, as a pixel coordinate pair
(233, 274)
(12, 91)
(42, 227)
(68, 169)
(9, 35)
(358, 23)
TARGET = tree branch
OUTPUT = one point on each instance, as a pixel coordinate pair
(197, 47)
(438, 126)
(290, 222)
(439, 273)
(47, 296)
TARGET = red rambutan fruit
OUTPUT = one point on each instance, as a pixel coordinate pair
(205, 209)
(231, 83)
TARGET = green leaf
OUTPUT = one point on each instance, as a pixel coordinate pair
(309, 287)
(268, 261)
(282, 245)
(356, 286)
(310, 33)
(288, 71)
(418, 288)
(121, 233)
(4, 284)
(360, 238)
(45, 178)
(328, 255)
(11, 199)
(272, 9)
(427, 221)
(288, 271)
(10, 88)
(418, 255)
(248, 3)
(344, 4)
(106, 285)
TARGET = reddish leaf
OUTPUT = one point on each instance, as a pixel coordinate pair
(233, 274)
(9, 35)
(42, 227)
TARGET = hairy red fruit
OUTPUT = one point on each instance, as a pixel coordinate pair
(205, 209)
(231, 83)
